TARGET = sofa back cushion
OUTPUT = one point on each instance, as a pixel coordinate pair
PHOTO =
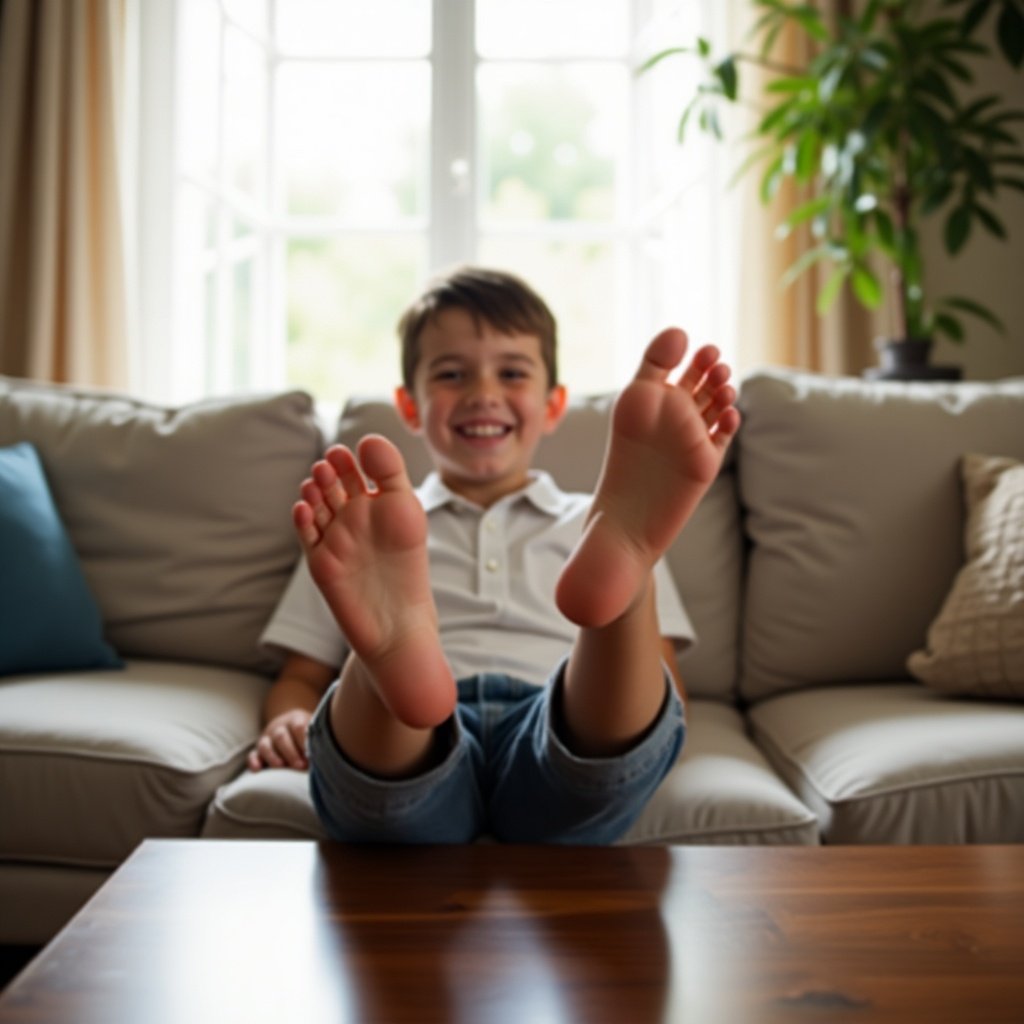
(855, 518)
(180, 516)
(706, 560)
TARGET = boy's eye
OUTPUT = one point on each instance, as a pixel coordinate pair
(513, 373)
(446, 376)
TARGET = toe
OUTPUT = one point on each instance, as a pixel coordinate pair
(383, 463)
(663, 354)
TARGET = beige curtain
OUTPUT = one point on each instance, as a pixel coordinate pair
(62, 280)
(780, 326)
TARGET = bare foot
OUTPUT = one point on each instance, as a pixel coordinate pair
(366, 549)
(666, 445)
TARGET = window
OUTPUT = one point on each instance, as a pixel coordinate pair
(328, 155)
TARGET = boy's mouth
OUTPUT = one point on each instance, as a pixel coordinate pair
(482, 430)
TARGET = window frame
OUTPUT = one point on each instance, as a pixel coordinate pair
(170, 361)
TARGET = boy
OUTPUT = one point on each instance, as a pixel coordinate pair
(406, 748)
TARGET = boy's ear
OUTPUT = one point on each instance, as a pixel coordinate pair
(557, 403)
(407, 408)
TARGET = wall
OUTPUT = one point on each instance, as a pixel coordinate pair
(988, 270)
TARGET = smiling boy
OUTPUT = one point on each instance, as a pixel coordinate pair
(442, 725)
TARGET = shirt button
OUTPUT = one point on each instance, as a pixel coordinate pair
(490, 525)
(492, 565)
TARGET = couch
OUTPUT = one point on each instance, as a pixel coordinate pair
(839, 692)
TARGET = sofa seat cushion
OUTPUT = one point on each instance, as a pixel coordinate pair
(93, 763)
(899, 763)
(270, 804)
(721, 791)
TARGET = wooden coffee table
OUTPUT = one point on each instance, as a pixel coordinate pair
(195, 931)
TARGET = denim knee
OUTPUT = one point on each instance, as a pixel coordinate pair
(442, 805)
(541, 792)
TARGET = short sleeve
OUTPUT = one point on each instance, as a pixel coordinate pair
(303, 624)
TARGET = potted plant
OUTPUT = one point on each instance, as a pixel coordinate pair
(877, 132)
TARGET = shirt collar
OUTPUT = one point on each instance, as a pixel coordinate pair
(542, 492)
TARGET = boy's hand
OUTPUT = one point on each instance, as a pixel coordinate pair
(283, 743)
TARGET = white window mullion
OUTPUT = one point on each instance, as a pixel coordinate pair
(153, 270)
(453, 165)
(271, 368)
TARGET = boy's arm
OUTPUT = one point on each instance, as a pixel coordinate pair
(668, 654)
(287, 709)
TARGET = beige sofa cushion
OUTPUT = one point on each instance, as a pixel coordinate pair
(855, 518)
(976, 645)
(706, 560)
(720, 791)
(180, 517)
(91, 764)
(899, 763)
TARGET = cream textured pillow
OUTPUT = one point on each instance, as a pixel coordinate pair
(975, 646)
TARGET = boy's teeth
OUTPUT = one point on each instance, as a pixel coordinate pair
(483, 431)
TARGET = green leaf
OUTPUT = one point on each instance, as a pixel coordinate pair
(775, 116)
(709, 122)
(976, 309)
(958, 228)
(973, 15)
(828, 294)
(867, 19)
(804, 213)
(791, 83)
(662, 55)
(936, 196)
(810, 21)
(1017, 183)
(990, 220)
(684, 120)
(805, 262)
(866, 287)
(1010, 32)
(725, 72)
(950, 326)
(772, 179)
(806, 156)
(886, 230)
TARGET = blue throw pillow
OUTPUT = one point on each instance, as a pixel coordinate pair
(49, 620)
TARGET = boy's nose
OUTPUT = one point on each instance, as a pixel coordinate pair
(484, 390)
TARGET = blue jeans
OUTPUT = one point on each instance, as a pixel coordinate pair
(506, 774)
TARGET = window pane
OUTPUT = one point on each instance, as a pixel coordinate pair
(352, 140)
(578, 281)
(245, 120)
(250, 14)
(382, 28)
(198, 77)
(552, 28)
(551, 138)
(345, 296)
(243, 322)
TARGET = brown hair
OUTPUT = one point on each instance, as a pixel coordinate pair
(495, 297)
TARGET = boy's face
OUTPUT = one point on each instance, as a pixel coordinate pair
(482, 402)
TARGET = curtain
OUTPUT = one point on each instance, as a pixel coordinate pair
(62, 276)
(776, 325)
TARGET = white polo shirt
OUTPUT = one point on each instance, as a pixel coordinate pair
(493, 572)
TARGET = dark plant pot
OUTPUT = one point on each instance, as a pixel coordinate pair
(907, 359)
(903, 353)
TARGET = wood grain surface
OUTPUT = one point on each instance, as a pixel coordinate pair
(195, 931)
